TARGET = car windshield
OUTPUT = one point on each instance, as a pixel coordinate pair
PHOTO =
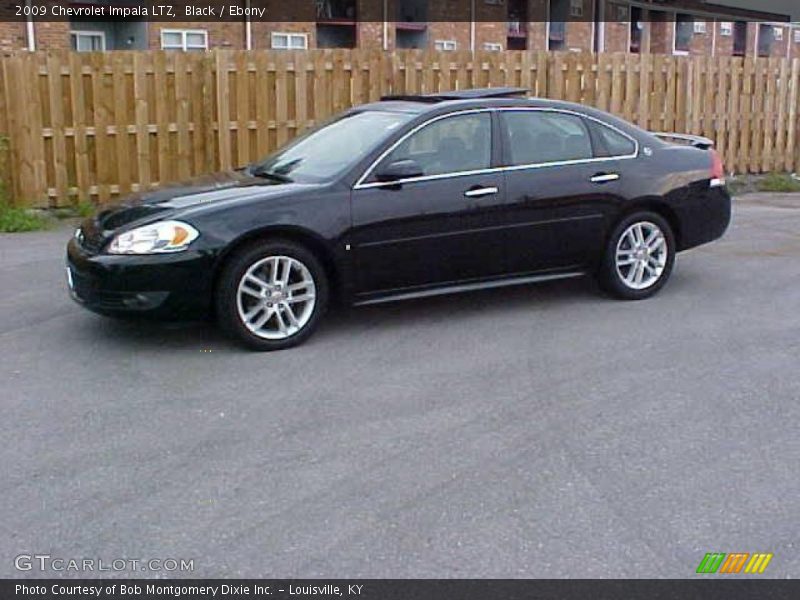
(331, 148)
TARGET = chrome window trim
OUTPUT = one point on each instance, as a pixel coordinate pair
(360, 185)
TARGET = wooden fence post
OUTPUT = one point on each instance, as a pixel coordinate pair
(7, 184)
(223, 112)
(207, 114)
(25, 125)
(792, 147)
(55, 98)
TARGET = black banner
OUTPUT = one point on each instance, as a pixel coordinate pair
(712, 588)
(399, 11)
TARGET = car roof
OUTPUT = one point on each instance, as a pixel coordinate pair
(409, 105)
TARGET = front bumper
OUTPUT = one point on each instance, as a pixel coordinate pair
(169, 286)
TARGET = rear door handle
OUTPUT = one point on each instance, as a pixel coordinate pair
(604, 177)
(477, 192)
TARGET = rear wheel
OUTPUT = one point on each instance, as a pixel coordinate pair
(272, 295)
(639, 256)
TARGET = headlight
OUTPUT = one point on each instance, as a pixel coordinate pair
(157, 238)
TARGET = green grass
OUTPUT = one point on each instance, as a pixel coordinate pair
(737, 186)
(778, 182)
(85, 209)
(15, 220)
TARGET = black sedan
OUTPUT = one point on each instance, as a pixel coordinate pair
(407, 197)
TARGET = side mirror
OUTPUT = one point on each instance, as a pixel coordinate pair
(399, 169)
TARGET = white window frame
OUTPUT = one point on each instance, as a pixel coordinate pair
(289, 35)
(492, 47)
(445, 45)
(797, 36)
(184, 37)
(777, 34)
(726, 28)
(77, 33)
(700, 27)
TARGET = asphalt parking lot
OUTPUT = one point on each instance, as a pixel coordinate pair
(542, 431)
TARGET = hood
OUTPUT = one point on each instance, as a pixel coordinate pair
(207, 189)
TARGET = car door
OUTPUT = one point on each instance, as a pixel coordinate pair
(440, 226)
(558, 190)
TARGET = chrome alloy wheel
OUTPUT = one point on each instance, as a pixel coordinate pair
(641, 255)
(276, 297)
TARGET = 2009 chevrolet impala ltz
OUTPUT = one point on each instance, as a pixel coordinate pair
(407, 197)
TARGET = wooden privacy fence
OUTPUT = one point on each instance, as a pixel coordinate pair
(94, 126)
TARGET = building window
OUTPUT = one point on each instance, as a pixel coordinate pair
(576, 8)
(765, 39)
(493, 47)
(740, 38)
(636, 27)
(328, 10)
(445, 45)
(699, 26)
(184, 39)
(797, 37)
(557, 36)
(336, 35)
(88, 41)
(779, 34)
(726, 28)
(684, 30)
(289, 41)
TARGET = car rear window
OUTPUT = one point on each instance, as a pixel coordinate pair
(609, 142)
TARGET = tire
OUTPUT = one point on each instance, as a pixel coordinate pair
(653, 264)
(263, 307)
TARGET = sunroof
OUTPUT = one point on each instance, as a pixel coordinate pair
(471, 94)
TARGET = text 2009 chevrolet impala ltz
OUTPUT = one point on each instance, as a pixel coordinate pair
(402, 198)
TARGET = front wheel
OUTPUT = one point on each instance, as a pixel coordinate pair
(272, 295)
(639, 257)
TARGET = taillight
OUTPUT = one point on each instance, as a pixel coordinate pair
(717, 170)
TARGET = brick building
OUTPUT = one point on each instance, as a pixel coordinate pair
(657, 26)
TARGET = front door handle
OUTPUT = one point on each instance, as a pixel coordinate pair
(604, 177)
(478, 192)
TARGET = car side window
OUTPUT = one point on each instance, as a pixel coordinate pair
(609, 142)
(537, 137)
(449, 145)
